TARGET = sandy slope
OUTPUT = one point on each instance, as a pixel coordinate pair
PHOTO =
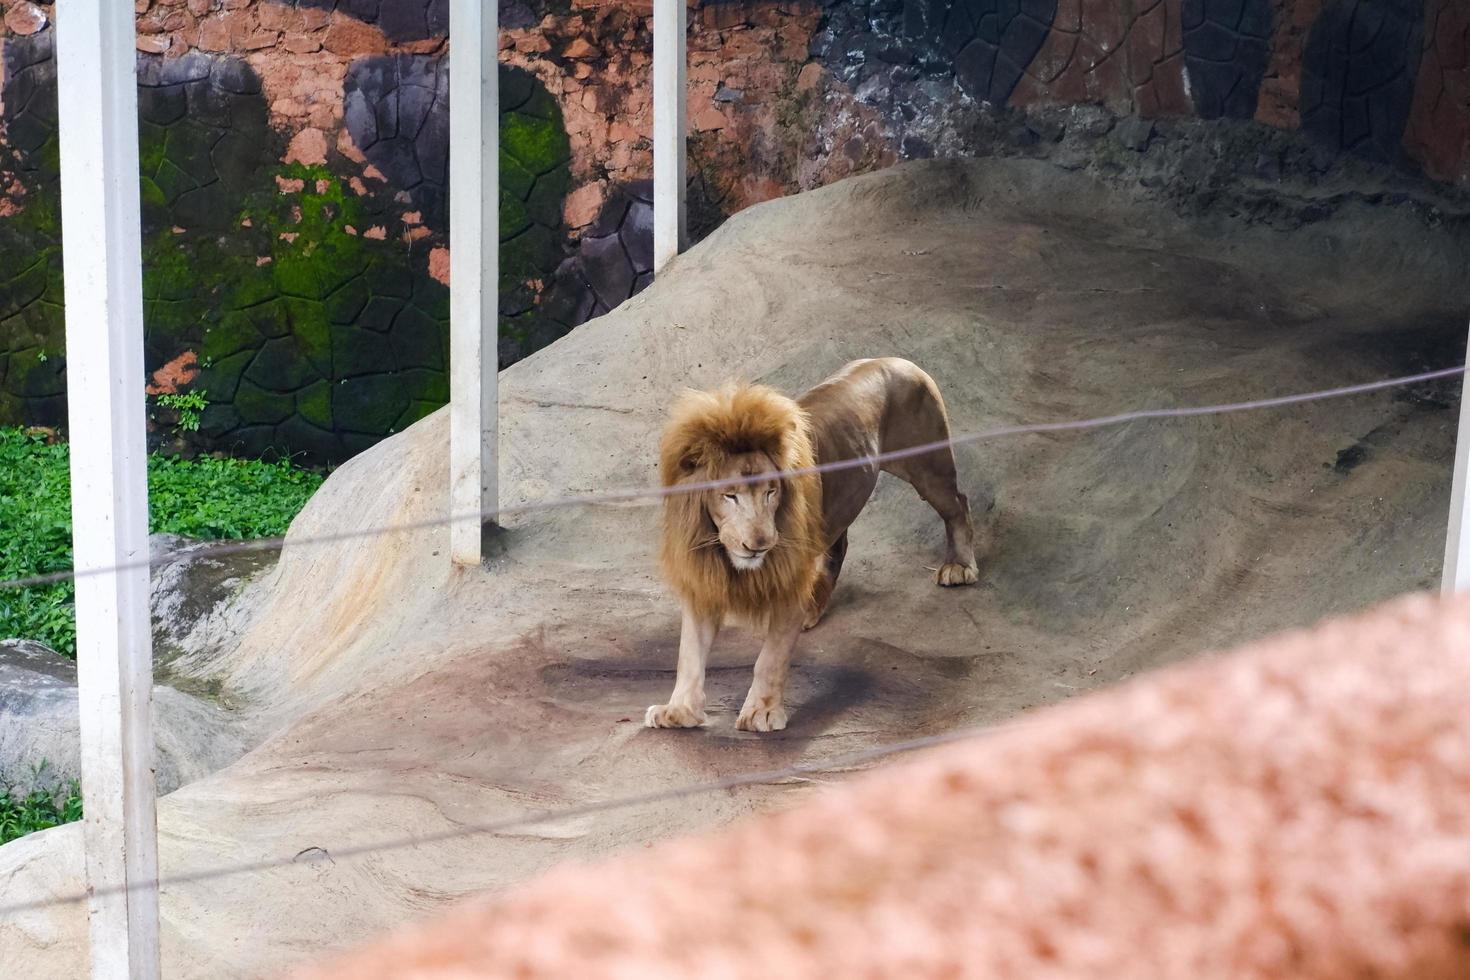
(406, 699)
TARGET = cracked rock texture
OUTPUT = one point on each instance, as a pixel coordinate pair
(295, 158)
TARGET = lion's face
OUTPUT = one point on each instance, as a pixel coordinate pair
(745, 515)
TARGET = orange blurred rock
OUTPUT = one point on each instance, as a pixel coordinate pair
(24, 18)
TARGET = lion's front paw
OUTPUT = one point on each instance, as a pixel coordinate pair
(673, 716)
(953, 573)
(761, 718)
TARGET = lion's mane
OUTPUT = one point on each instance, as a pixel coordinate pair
(705, 430)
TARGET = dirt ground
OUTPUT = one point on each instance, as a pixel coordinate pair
(396, 698)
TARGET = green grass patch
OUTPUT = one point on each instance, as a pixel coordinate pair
(38, 810)
(198, 498)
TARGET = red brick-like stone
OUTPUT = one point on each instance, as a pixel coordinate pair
(279, 17)
(1438, 131)
(214, 34)
(302, 43)
(352, 38)
(580, 49)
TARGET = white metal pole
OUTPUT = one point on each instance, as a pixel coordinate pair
(474, 264)
(1456, 574)
(109, 483)
(670, 114)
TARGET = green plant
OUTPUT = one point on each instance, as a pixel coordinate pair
(200, 498)
(39, 809)
(189, 405)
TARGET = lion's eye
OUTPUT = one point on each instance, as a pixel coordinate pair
(770, 493)
(732, 498)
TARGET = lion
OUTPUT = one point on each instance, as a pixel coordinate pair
(767, 551)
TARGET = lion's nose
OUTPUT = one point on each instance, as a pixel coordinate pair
(759, 546)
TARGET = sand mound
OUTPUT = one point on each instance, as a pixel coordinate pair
(404, 699)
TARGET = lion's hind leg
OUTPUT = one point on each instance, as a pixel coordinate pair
(938, 488)
(933, 475)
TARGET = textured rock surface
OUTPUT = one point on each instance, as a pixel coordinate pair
(1226, 48)
(245, 99)
(1438, 133)
(201, 600)
(1300, 808)
(39, 724)
(1358, 74)
(399, 699)
(201, 604)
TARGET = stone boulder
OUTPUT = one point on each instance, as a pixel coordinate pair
(39, 717)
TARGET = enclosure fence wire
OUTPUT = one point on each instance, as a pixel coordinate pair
(768, 776)
(652, 494)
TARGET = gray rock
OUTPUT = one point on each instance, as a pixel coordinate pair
(39, 714)
(1091, 122)
(198, 596)
(1135, 133)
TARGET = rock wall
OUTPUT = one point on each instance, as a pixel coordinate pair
(294, 161)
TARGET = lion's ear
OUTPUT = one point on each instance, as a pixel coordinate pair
(689, 462)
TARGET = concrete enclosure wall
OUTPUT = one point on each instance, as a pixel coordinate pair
(294, 158)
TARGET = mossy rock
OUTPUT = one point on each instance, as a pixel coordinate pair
(369, 405)
(221, 376)
(234, 332)
(356, 351)
(309, 326)
(282, 365)
(425, 385)
(257, 405)
(539, 145)
(314, 403)
(346, 304)
(416, 340)
(515, 180)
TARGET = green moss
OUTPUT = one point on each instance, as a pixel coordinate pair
(370, 405)
(309, 326)
(296, 275)
(513, 219)
(314, 403)
(169, 273)
(346, 303)
(415, 411)
(152, 147)
(221, 375)
(232, 334)
(152, 194)
(255, 285)
(538, 144)
(256, 405)
(515, 180)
